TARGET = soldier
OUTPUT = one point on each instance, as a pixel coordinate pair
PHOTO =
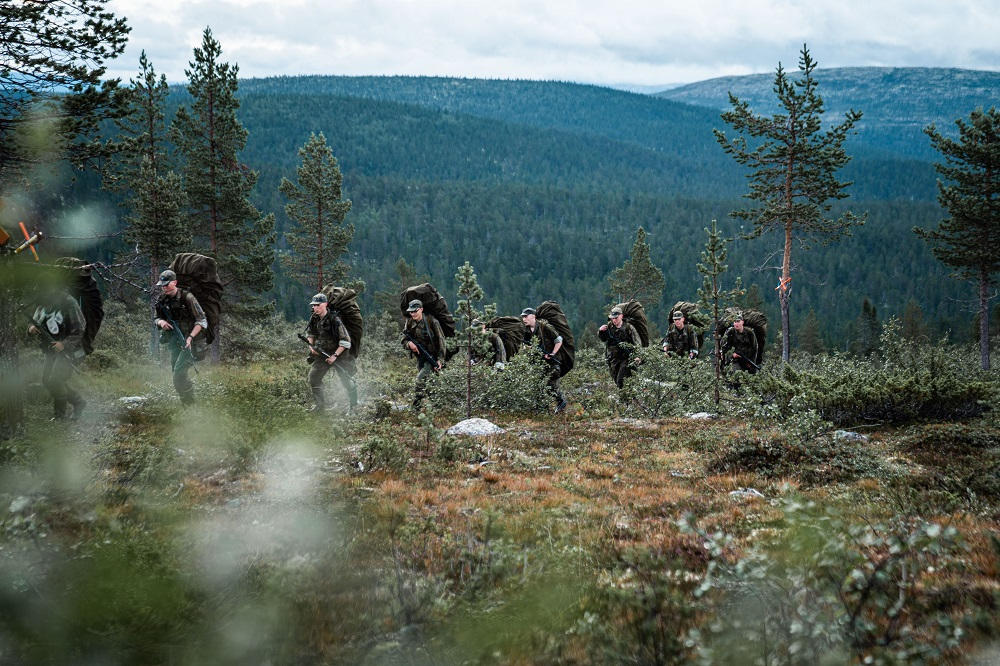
(549, 341)
(328, 340)
(743, 342)
(499, 356)
(60, 323)
(680, 339)
(179, 307)
(621, 342)
(423, 336)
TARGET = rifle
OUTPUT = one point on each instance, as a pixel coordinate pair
(744, 358)
(165, 316)
(312, 347)
(48, 341)
(422, 351)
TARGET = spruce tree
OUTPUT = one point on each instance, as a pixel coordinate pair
(792, 169)
(469, 293)
(867, 328)
(712, 296)
(209, 136)
(638, 278)
(811, 337)
(320, 236)
(969, 240)
(155, 197)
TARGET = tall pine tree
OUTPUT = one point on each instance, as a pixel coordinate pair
(224, 221)
(638, 278)
(142, 170)
(793, 165)
(320, 236)
(969, 240)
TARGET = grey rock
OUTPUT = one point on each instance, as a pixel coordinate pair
(746, 493)
(848, 436)
(475, 428)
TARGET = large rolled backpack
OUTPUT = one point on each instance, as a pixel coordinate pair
(692, 318)
(434, 304)
(511, 332)
(755, 320)
(344, 302)
(200, 275)
(633, 313)
(81, 285)
(551, 312)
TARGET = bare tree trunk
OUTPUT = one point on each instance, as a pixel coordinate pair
(984, 320)
(154, 330)
(783, 294)
(468, 377)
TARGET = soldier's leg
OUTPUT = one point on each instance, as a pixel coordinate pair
(424, 371)
(317, 371)
(55, 383)
(346, 370)
(622, 372)
(180, 363)
(556, 391)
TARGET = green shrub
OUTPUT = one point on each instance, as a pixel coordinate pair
(906, 381)
(520, 388)
(668, 386)
(382, 452)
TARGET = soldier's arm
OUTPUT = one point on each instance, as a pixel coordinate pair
(344, 339)
(499, 351)
(634, 334)
(200, 320)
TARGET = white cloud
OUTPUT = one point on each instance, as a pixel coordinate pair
(644, 42)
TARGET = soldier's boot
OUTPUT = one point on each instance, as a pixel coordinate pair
(187, 397)
(560, 402)
(319, 400)
(58, 409)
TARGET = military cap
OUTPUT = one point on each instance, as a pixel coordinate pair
(318, 298)
(477, 322)
(677, 315)
(615, 311)
(738, 316)
(527, 311)
(166, 277)
(415, 305)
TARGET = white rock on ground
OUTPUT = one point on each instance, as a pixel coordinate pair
(475, 428)
(849, 436)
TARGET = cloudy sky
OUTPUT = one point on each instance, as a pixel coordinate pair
(638, 42)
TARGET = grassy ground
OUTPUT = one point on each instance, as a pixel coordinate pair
(244, 530)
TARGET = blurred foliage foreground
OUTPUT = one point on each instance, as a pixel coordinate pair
(838, 510)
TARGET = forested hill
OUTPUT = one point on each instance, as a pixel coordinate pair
(898, 102)
(541, 185)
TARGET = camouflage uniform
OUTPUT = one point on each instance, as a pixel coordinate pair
(680, 341)
(328, 334)
(545, 337)
(621, 343)
(428, 333)
(61, 320)
(499, 357)
(183, 308)
(743, 343)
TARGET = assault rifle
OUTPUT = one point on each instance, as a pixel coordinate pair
(312, 347)
(741, 357)
(422, 351)
(164, 314)
(48, 342)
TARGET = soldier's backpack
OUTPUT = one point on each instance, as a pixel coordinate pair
(511, 332)
(755, 320)
(633, 313)
(200, 275)
(344, 302)
(551, 312)
(692, 317)
(434, 304)
(82, 286)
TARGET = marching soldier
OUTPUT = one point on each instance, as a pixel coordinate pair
(181, 321)
(423, 337)
(328, 343)
(743, 344)
(621, 342)
(59, 321)
(680, 339)
(549, 341)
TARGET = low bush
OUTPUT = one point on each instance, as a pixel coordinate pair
(520, 388)
(905, 382)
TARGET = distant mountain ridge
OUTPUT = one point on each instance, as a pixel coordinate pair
(899, 100)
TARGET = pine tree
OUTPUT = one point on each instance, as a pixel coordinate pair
(969, 240)
(914, 323)
(469, 292)
(321, 236)
(52, 79)
(811, 337)
(867, 329)
(209, 137)
(793, 167)
(638, 278)
(712, 296)
(142, 170)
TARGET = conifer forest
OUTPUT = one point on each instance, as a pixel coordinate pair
(431, 370)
